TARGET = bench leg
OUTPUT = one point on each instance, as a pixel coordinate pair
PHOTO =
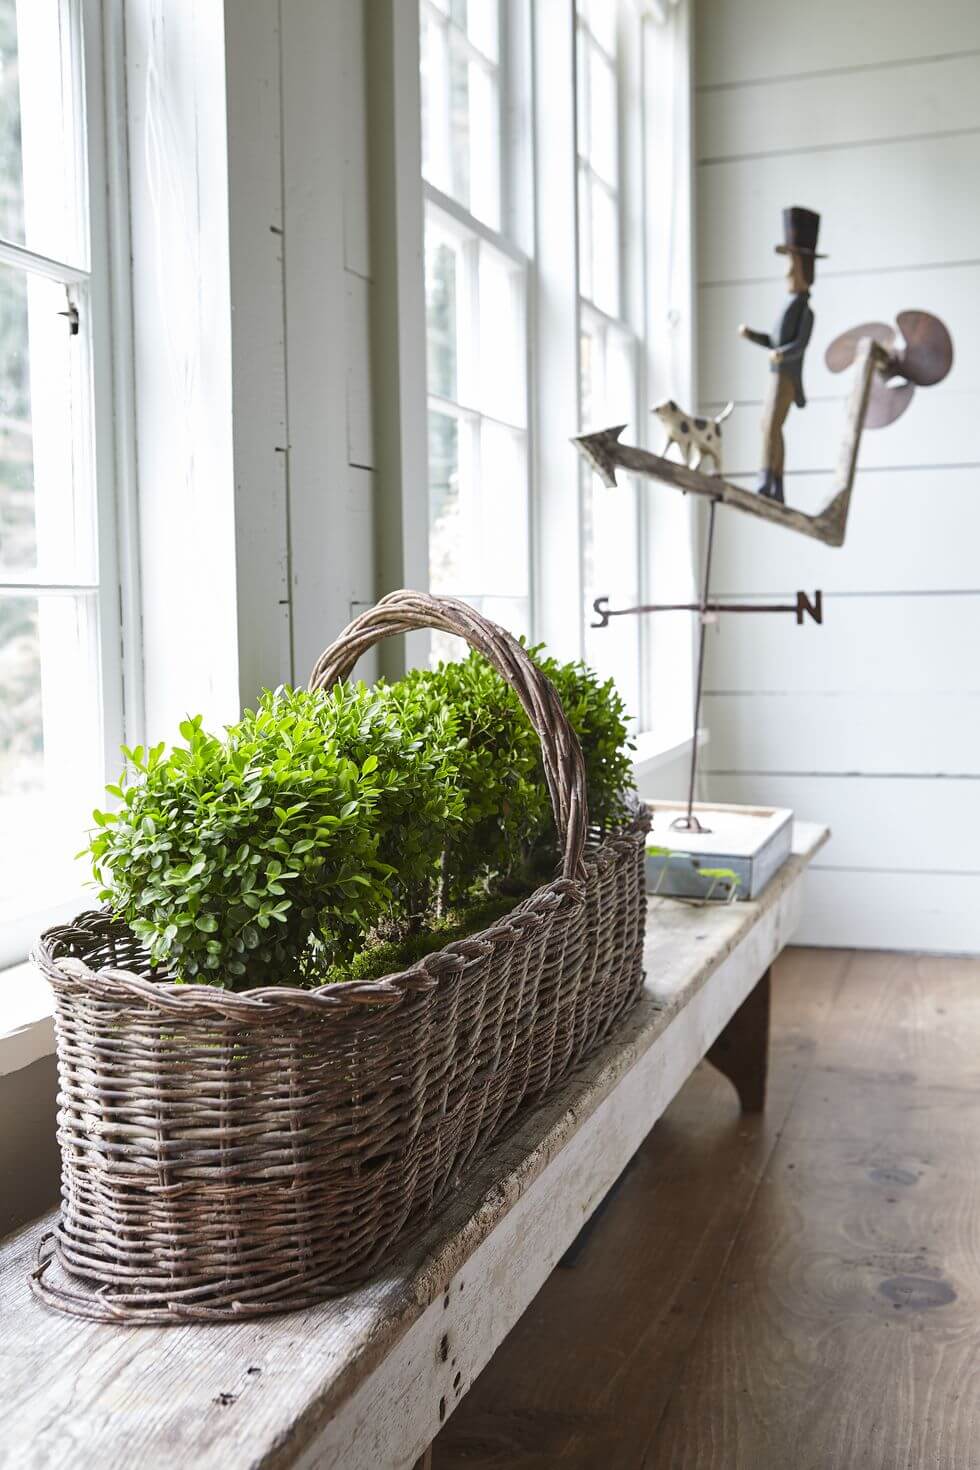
(742, 1050)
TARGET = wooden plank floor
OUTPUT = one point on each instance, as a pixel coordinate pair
(797, 1290)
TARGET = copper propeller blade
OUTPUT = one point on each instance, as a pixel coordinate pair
(843, 350)
(886, 402)
(928, 356)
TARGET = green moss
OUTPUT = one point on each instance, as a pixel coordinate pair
(387, 957)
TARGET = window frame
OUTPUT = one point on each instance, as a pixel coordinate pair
(512, 239)
(101, 292)
(656, 308)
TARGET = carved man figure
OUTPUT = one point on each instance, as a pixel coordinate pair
(787, 343)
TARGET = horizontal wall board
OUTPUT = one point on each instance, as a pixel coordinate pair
(770, 38)
(923, 645)
(940, 427)
(840, 109)
(877, 734)
(882, 206)
(893, 824)
(907, 530)
(730, 367)
(930, 912)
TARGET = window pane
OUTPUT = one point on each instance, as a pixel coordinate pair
(480, 22)
(603, 121)
(610, 518)
(605, 250)
(601, 17)
(501, 523)
(459, 123)
(592, 373)
(585, 277)
(46, 507)
(445, 570)
(440, 313)
(50, 745)
(41, 178)
(461, 108)
(620, 380)
(478, 518)
(583, 129)
(434, 63)
(502, 392)
(611, 569)
(483, 169)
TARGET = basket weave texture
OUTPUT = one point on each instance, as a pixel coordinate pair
(227, 1155)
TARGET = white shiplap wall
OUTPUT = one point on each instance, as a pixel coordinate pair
(246, 132)
(870, 114)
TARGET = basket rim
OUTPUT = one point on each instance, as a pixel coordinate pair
(338, 996)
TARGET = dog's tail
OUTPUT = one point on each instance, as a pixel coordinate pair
(719, 418)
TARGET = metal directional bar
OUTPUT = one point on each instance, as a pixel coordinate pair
(803, 608)
(606, 455)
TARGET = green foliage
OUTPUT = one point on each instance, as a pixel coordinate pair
(498, 766)
(597, 714)
(508, 809)
(342, 835)
(317, 815)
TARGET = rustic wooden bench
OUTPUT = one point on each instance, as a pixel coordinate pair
(364, 1382)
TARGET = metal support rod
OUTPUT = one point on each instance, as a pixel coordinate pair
(690, 823)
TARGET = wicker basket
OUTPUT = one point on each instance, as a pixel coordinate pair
(227, 1155)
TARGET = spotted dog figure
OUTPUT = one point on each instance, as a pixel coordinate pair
(692, 434)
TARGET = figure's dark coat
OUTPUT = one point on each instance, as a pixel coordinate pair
(791, 334)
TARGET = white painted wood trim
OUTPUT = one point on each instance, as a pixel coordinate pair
(259, 415)
(362, 1383)
(26, 1027)
(652, 753)
(556, 509)
(398, 334)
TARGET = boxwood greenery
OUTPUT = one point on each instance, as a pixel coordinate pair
(343, 834)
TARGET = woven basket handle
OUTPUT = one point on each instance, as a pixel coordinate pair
(564, 767)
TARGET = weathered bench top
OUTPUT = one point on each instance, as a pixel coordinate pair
(365, 1381)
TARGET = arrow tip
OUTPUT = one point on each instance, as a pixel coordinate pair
(599, 449)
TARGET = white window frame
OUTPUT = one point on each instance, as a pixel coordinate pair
(657, 307)
(511, 240)
(99, 289)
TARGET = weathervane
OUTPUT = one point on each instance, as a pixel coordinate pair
(884, 382)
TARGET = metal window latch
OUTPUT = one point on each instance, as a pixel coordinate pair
(72, 314)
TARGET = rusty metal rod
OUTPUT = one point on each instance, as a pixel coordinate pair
(802, 607)
(690, 823)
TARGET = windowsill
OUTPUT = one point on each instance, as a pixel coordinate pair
(654, 751)
(26, 1029)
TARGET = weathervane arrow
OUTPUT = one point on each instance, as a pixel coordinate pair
(606, 454)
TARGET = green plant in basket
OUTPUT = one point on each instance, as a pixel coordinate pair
(508, 835)
(597, 713)
(498, 767)
(316, 817)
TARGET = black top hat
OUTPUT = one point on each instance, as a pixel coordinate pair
(800, 230)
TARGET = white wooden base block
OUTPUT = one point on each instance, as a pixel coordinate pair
(366, 1382)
